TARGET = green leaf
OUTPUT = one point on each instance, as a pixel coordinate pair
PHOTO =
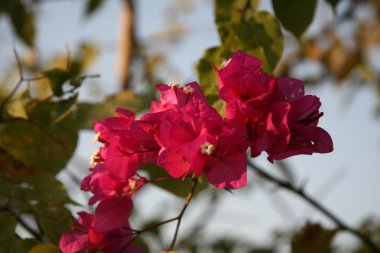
(88, 112)
(35, 192)
(57, 78)
(30, 185)
(295, 15)
(7, 227)
(93, 6)
(178, 187)
(269, 36)
(9, 242)
(23, 22)
(224, 10)
(54, 220)
(50, 144)
(45, 248)
(261, 36)
(313, 238)
(207, 75)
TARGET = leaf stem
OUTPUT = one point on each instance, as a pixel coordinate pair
(302, 194)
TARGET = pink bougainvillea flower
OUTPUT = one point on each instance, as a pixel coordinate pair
(189, 147)
(226, 165)
(104, 186)
(174, 97)
(274, 113)
(306, 137)
(246, 89)
(82, 238)
(189, 135)
(127, 143)
(175, 130)
(85, 237)
(248, 93)
(113, 213)
(236, 77)
(114, 126)
(272, 131)
(187, 99)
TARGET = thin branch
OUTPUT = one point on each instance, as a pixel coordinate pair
(14, 90)
(188, 199)
(178, 218)
(18, 84)
(301, 193)
(19, 64)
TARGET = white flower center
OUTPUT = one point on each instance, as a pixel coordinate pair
(188, 89)
(207, 148)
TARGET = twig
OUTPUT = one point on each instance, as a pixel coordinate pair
(18, 84)
(179, 218)
(301, 193)
(13, 91)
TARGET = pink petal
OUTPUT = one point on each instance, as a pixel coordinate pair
(230, 172)
(112, 214)
(290, 89)
(173, 162)
(73, 242)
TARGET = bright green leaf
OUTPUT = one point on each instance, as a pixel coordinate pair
(45, 248)
(313, 238)
(295, 15)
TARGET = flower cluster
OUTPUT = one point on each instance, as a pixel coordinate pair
(274, 113)
(185, 136)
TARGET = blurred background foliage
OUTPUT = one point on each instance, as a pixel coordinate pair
(41, 116)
